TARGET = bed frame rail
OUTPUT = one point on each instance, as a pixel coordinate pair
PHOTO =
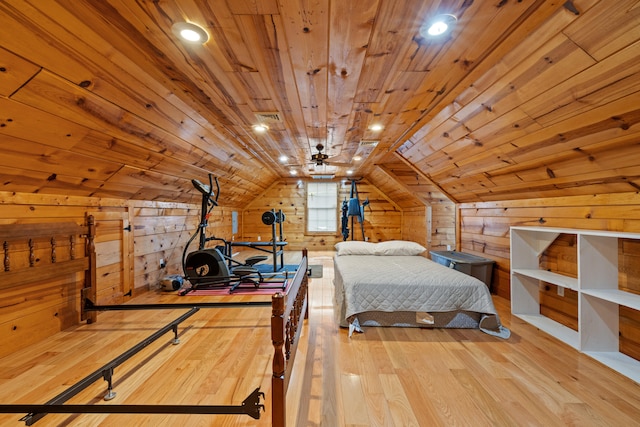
(105, 372)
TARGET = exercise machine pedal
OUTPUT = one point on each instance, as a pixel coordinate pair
(253, 260)
(244, 273)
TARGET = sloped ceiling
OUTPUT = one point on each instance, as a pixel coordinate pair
(405, 185)
(523, 99)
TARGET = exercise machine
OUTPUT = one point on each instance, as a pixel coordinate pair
(209, 267)
(345, 220)
(353, 209)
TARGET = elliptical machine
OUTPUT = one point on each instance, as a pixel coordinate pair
(208, 267)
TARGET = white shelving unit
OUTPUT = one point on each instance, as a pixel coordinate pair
(599, 296)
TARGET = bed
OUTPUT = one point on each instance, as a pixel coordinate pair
(393, 284)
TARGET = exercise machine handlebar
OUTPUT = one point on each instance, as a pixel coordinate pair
(207, 190)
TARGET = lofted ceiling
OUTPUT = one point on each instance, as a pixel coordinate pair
(523, 99)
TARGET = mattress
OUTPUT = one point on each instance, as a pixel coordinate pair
(370, 284)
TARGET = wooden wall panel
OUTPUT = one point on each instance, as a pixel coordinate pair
(414, 226)
(418, 198)
(38, 310)
(629, 278)
(562, 309)
(484, 230)
(443, 225)
(630, 332)
(113, 254)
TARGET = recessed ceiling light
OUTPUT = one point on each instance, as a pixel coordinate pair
(283, 159)
(260, 128)
(190, 32)
(357, 158)
(376, 127)
(438, 26)
(293, 172)
(349, 172)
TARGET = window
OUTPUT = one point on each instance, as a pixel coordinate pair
(322, 207)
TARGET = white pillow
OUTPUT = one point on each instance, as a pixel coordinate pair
(355, 248)
(399, 248)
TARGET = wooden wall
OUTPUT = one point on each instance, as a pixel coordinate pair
(415, 227)
(383, 219)
(440, 218)
(428, 215)
(484, 230)
(128, 262)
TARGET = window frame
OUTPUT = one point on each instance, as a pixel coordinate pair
(308, 208)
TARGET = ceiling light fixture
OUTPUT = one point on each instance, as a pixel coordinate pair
(260, 128)
(376, 127)
(357, 158)
(190, 32)
(283, 159)
(439, 26)
(293, 172)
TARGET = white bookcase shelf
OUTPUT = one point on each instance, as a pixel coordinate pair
(599, 296)
(549, 277)
(615, 296)
(561, 332)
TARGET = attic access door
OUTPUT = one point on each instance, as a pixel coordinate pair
(114, 252)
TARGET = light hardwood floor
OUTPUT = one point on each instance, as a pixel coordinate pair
(384, 377)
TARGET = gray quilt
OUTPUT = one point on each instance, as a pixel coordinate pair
(407, 283)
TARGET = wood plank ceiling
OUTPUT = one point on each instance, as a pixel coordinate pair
(525, 98)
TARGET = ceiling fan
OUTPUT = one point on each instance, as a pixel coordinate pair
(321, 159)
